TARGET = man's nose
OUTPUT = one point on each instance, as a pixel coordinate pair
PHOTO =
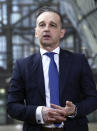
(46, 28)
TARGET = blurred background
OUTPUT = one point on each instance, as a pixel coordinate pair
(17, 23)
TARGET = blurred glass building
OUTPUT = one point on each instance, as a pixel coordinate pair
(17, 23)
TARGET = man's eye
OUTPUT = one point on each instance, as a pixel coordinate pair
(41, 25)
(53, 25)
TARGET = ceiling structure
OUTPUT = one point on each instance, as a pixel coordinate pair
(17, 23)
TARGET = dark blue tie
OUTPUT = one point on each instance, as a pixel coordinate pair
(53, 80)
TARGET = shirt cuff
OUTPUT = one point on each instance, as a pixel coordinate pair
(39, 118)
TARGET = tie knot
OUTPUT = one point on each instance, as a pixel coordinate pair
(50, 54)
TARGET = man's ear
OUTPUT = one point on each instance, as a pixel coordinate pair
(63, 31)
(36, 32)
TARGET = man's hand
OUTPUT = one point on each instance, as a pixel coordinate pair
(52, 115)
(68, 110)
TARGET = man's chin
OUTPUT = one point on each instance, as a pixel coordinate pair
(46, 44)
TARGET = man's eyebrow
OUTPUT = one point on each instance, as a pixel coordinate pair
(52, 22)
(41, 22)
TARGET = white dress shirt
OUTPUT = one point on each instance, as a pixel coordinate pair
(45, 63)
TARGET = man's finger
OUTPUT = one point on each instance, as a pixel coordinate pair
(60, 118)
(69, 103)
(60, 110)
(56, 107)
(50, 120)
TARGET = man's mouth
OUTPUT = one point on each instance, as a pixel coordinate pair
(46, 36)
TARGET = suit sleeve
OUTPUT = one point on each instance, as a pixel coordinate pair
(88, 88)
(16, 106)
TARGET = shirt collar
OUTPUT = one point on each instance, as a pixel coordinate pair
(57, 50)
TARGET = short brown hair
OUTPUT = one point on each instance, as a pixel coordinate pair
(48, 9)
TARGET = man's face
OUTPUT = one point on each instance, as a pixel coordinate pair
(48, 30)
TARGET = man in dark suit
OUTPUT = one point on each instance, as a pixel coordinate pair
(29, 95)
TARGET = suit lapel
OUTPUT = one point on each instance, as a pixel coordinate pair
(64, 71)
(38, 72)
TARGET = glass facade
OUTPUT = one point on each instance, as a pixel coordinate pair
(3, 112)
(3, 51)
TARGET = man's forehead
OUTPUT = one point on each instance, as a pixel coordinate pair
(48, 16)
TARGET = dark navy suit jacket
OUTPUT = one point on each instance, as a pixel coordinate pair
(76, 84)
